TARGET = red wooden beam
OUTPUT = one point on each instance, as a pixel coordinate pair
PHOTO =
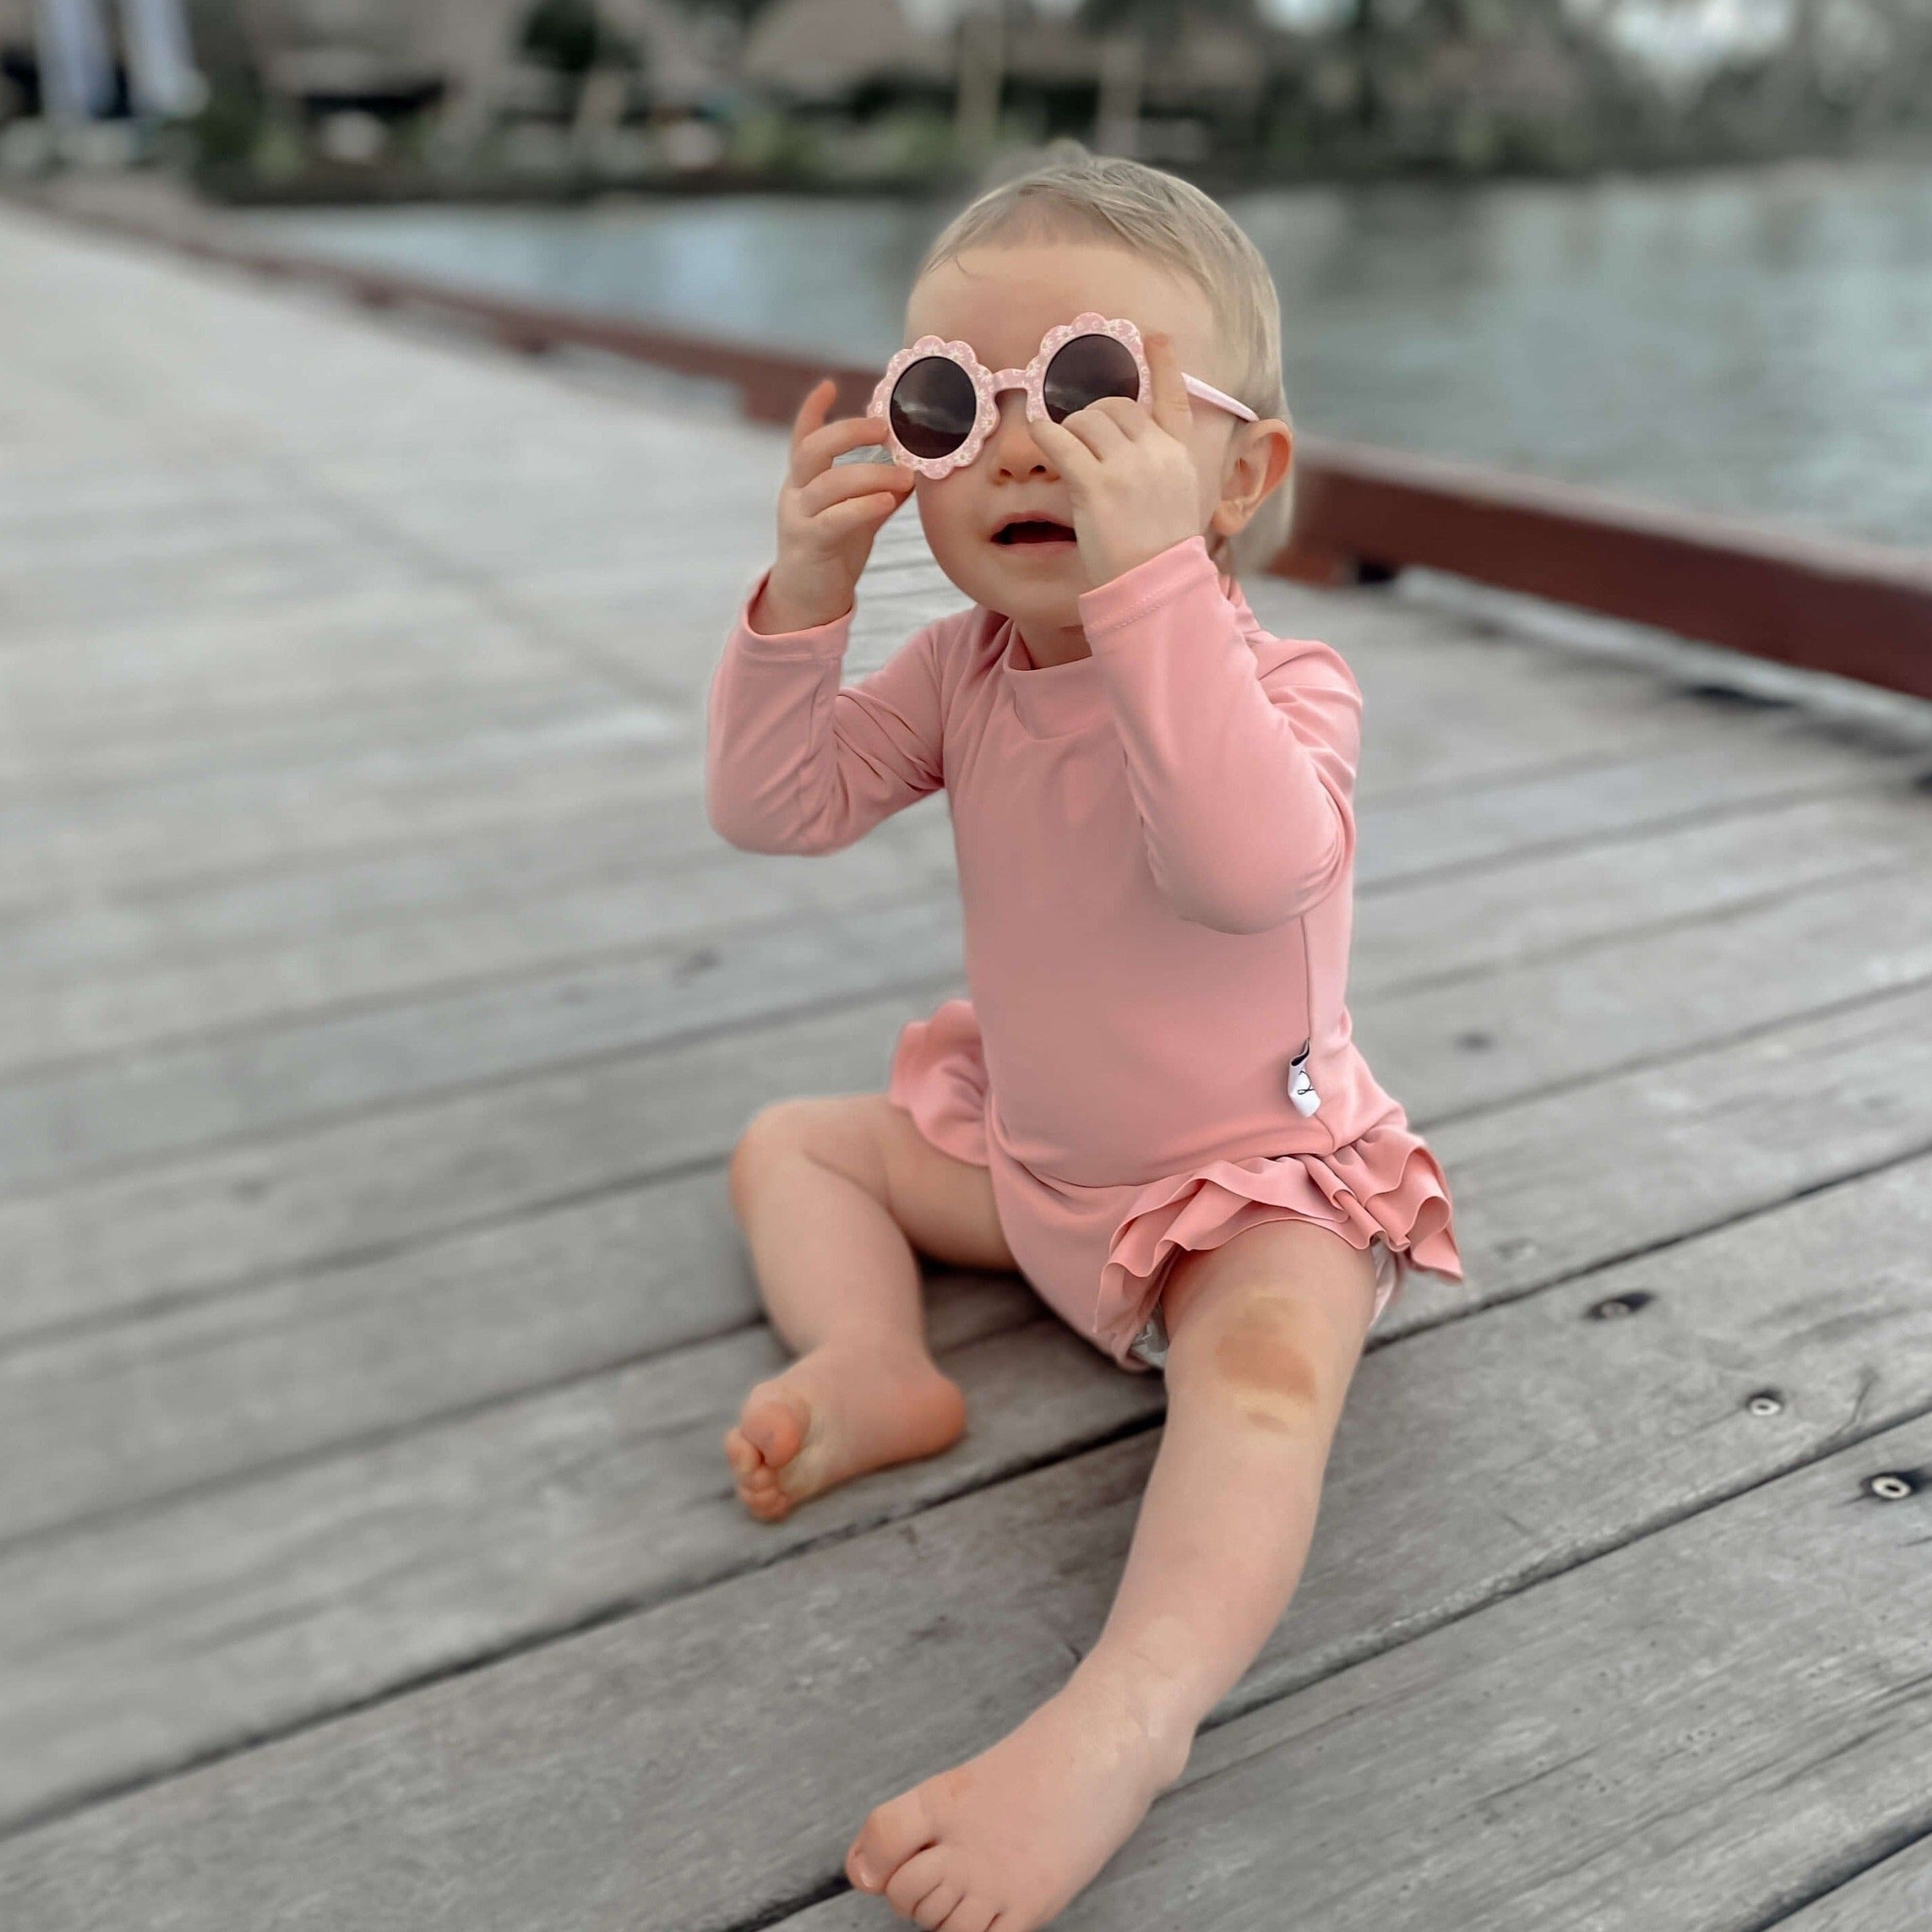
(1859, 610)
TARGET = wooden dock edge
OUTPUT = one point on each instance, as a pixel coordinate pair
(1859, 611)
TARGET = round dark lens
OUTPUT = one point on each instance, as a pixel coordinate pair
(1086, 369)
(933, 406)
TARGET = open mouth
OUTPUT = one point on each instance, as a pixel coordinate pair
(1032, 530)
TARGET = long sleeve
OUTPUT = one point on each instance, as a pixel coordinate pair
(1243, 775)
(795, 763)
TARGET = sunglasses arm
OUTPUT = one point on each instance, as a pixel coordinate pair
(1208, 393)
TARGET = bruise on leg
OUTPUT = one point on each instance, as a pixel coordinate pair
(1261, 1358)
(1251, 1327)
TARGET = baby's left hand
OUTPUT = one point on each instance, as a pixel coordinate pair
(1131, 475)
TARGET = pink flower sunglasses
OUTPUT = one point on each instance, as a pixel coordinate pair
(939, 402)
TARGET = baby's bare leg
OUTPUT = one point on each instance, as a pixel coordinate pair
(1264, 1334)
(836, 1195)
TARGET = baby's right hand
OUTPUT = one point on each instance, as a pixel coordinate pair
(828, 515)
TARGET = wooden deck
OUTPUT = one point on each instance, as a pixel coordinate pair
(380, 1011)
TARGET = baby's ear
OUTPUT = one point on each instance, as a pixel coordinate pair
(1257, 465)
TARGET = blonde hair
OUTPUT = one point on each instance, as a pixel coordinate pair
(1066, 192)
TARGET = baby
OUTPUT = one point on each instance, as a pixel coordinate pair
(1151, 1106)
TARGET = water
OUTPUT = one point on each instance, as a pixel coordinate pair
(1755, 344)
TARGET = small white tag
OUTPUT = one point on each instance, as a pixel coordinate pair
(1300, 1089)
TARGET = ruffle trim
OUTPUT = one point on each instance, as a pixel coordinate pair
(1384, 1184)
(938, 1076)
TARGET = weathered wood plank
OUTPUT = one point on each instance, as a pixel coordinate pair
(647, 1773)
(49, 768)
(300, 908)
(339, 1193)
(214, 823)
(112, 1112)
(1621, 1166)
(259, 570)
(354, 646)
(1489, 1038)
(1893, 1896)
(1575, 807)
(1408, 934)
(653, 897)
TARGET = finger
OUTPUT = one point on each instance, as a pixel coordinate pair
(1171, 408)
(815, 452)
(844, 481)
(1097, 429)
(1134, 422)
(812, 411)
(1064, 450)
(843, 520)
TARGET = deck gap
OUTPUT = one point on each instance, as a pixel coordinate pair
(1841, 1873)
(338, 1260)
(787, 919)
(356, 519)
(1593, 841)
(1586, 944)
(1673, 1056)
(89, 1521)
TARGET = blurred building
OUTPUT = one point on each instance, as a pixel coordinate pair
(1135, 92)
(380, 54)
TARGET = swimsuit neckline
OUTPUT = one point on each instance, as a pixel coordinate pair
(1050, 701)
(1055, 701)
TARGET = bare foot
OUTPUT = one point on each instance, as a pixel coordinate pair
(848, 1406)
(1009, 1838)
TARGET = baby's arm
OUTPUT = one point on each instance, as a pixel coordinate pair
(795, 763)
(1243, 781)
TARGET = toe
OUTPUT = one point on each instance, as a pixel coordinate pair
(971, 1915)
(921, 1877)
(890, 1836)
(774, 1424)
(936, 1907)
(740, 1454)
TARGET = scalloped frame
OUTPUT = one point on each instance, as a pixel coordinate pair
(988, 384)
(987, 412)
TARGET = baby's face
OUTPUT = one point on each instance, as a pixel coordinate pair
(1002, 299)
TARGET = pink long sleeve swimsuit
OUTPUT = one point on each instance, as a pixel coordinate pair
(1156, 853)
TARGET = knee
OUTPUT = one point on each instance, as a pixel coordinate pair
(1255, 1351)
(772, 1133)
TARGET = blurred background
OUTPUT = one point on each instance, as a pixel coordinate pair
(1681, 248)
